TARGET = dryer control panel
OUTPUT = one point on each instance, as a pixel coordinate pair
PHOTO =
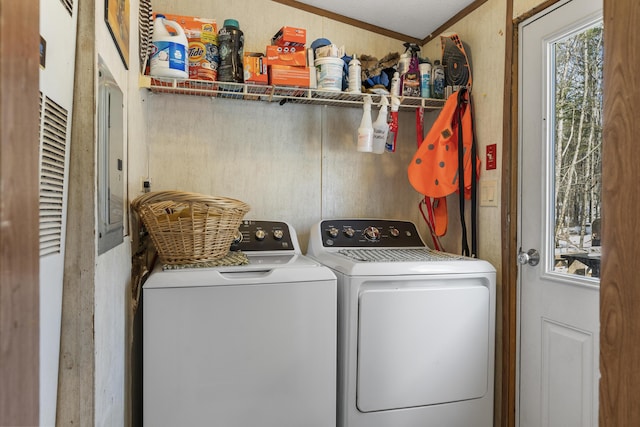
(264, 236)
(374, 233)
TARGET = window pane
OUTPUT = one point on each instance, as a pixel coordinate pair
(577, 151)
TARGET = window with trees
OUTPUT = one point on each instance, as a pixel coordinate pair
(577, 114)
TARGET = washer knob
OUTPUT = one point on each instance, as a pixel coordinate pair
(333, 232)
(394, 232)
(372, 233)
(237, 237)
(260, 234)
(278, 234)
(349, 232)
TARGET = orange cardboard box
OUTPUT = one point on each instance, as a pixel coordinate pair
(287, 55)
(286, 75)
(255, 68)
(290, 36)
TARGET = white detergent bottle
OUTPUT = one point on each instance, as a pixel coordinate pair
(381, 128)
(365, 131)
(395, 84)
(355, 79)
(169, 55)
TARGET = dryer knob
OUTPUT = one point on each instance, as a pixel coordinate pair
(349, 232)
(260, 234)
(394, 232)
(333, 232)
(372, 233)
(278, 234)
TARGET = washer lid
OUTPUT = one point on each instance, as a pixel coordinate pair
(387, 262)
(263, 268)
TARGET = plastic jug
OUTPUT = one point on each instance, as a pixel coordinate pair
(231, 42)
(169, 56)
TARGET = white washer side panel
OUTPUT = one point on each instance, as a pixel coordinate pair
(237, 356)
(422, 346)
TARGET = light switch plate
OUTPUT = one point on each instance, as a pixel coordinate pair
(489, 192)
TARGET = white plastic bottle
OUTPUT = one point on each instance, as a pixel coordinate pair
(365, 131)
(404, 62)
(395, 84)
(169, 56)
(355, 78)
(425, 80)
(381, 128)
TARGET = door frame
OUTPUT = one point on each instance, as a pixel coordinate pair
(509, 214)
(619, 325)
(19, 215)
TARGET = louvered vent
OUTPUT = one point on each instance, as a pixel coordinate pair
(53, 140)
(68, 4)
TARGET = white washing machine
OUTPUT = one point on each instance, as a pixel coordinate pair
(416, 327)
(243, 346)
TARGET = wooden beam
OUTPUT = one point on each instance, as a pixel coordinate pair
(619, 290)
(76, 384)
(509, 212)
(19, 257)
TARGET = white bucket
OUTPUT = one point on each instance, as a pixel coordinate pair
(329, 72)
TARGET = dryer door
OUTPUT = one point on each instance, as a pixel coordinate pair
(423, 343)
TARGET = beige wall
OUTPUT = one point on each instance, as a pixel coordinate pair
(296, 163)
(484, 32)
(112, 288)
(521, 7)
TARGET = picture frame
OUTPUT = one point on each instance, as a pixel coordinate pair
(116, 15)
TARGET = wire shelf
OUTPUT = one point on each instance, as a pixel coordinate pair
(281, 94)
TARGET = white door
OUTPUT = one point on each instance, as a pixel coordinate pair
(560, 136)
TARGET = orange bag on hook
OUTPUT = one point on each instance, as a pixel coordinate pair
(445, 156)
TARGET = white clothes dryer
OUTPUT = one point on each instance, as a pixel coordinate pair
(416, 327)
(249, 345)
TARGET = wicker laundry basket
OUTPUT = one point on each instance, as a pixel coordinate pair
(189, 228)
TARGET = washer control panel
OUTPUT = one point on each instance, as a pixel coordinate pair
(349, 233)
(263, 236)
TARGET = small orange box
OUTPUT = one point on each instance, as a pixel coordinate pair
(285, 75)
(287, 55)
(290, 36)
(255, 68)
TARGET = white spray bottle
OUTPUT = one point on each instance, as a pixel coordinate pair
(365, 131)
(381, 128)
